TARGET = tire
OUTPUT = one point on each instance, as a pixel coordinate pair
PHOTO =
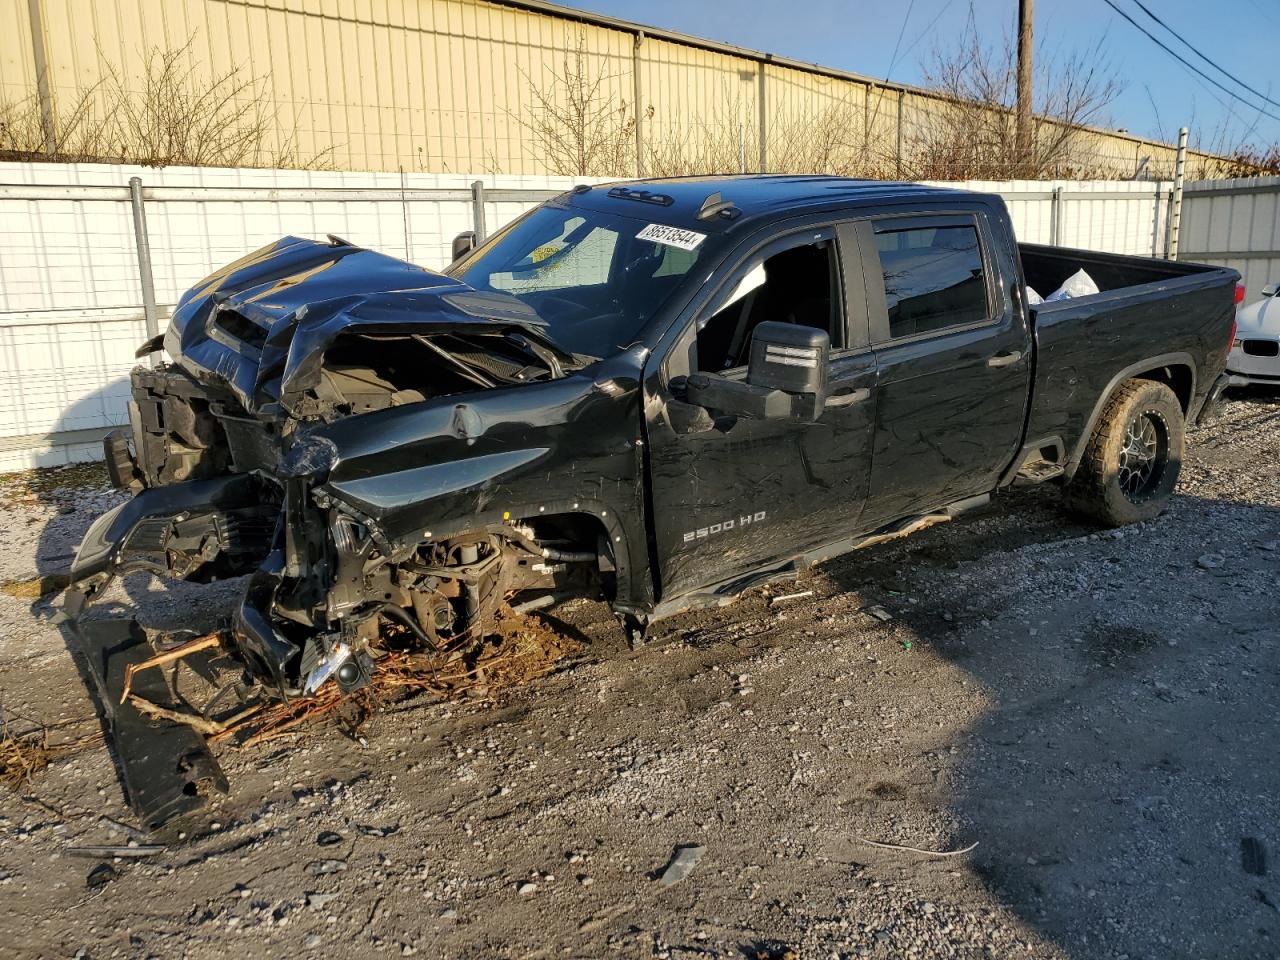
(1131, 463)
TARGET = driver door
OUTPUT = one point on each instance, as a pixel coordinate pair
(732, 495)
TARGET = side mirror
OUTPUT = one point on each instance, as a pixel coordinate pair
(790, 358)
(1269, 290)
(464, 243)
(786, 377)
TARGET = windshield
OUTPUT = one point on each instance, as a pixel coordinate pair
(588, 276)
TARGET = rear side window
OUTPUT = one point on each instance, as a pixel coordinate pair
(934, 278)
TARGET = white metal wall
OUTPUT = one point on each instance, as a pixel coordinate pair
(1234, 223)
(70, 298)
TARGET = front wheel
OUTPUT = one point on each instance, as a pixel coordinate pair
(1131, 463)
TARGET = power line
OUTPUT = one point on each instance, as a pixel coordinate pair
(925, 32)
(1191, 47)
(901, 31)
(1186, 63)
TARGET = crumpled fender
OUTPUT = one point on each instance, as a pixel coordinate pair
(123, 538)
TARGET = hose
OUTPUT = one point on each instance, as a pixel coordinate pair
(569, 556)
(402, 617)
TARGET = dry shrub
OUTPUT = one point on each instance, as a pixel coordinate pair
(519, 650)
(23, 756)
(578, 124)
(973, 135)
(172, 113)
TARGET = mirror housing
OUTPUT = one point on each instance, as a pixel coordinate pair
(788, 357)
(1270, 289)
(786, 377)
(464, 243)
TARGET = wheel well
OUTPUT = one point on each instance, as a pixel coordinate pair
(577, 532)
(1177, 377)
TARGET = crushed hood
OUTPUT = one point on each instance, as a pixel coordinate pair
(260, 327)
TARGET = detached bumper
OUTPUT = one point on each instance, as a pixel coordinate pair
(166, 767)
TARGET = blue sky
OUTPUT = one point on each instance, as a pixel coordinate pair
(1157, 94)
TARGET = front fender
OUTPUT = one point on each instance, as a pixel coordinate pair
(432, 470)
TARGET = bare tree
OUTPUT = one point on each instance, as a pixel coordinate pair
(972, 135)
(579, 126)
(171, 114)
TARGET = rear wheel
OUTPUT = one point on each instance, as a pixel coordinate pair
(1131, 463)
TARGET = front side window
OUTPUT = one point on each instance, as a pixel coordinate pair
(794, 285)
(933, 278)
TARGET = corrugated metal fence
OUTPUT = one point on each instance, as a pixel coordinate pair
(1234, 223)
(71, 301)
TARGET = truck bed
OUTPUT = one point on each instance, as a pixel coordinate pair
(1186, 308)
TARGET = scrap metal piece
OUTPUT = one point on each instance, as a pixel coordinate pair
(166, 767)
(124, 853)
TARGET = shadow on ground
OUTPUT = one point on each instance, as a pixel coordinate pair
(1124, 787)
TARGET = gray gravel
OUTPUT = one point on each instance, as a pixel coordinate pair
(1097, 710)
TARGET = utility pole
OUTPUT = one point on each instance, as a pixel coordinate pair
(1023, 143)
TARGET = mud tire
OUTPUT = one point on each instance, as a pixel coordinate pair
(1131, 463)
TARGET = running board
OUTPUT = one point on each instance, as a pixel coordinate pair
(725, 592)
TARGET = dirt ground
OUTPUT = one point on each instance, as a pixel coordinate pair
(1097, 711)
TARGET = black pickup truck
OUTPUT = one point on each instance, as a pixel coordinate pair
(658, 394)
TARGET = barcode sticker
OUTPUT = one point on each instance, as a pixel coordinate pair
(671, 236)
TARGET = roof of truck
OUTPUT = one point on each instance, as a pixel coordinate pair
(679, 199)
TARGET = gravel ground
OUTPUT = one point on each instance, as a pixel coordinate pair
(1096, 710)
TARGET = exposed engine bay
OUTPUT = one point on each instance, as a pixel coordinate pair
(228, 469)
(273, 445)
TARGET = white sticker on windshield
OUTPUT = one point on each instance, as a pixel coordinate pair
(671, 236)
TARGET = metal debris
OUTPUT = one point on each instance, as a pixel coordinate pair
(136, 851)
(791, 596)
(683, 860)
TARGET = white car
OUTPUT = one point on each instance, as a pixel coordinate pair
(1255, 352)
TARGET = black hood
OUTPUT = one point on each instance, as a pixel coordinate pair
(260, 326)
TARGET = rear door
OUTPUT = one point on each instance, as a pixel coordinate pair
(729, 497)
(954, 359)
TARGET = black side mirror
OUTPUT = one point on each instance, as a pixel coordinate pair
(464, 243)
(791, 358)
(786, 377)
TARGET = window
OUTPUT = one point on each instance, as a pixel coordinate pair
(587, 275)
(577, 258)
(933, 278)
(795, 285)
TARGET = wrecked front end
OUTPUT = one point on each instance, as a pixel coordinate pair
(379, 450)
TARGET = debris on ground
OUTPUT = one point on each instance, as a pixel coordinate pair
(520, 650)
(130, 852)
(1253, 856)
(791, 596)
(908, 849)
(24, 754)
(100, 876)
(683, 860)
(879, 612)
(33, 588)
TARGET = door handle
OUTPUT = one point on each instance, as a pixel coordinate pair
(1004, 358)
(848, 399)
